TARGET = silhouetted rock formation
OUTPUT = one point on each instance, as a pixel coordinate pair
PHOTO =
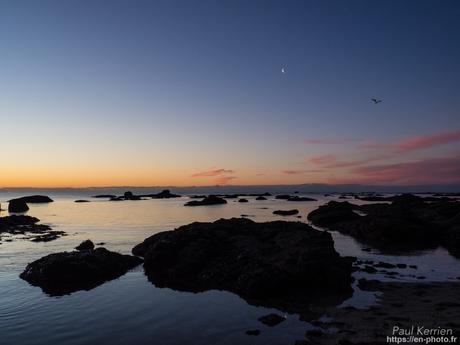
(66, 272)
(26, 225)
(164, 194)
(286, 212)
(17, 206)
(35, 199)
(261, 198)
(81, 200)
(210, 200)
(243, 200)
(85, 245)
(105, 196)
(283, 196)
(274, 263)
(300, 198)
(409, 222)
(130, 196)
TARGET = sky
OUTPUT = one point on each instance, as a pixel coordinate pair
(149, 93)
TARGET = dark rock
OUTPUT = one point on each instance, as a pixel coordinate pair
(283, 196)
(197, 196)
(261, 198)
(366, 249)
(282, 264)
(100, 243)
(117, 198)
(210, 200)
(253, 332)
(314, 333)
(17, 206)
(401, 265)
(302, 342)
(164, 194)
(413, 266)
(271, 319)
(286, 212)
(369, 269)
(81, 200)
(242, 200)
(409, 222)
(66, 272)
(231, 196)
(130, 196)
(85, 245)
(105, 196)
(384, 265)
(300, 198)
(26, 225)
(35, 199)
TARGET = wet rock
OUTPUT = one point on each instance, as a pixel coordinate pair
(282, 264)
(17, 206)
(85, 245)
(260, 198)
(409, 222)
(28, 226)
(384, 265)
(105, 196)
(313, 333)
(300, 198)
(242, 200)
(210, 200)
(286, 212)
(66, 272)
(35, 199)
(369, 269)
(271, 319)
(254, 332)
(413, 266)
(81, 200)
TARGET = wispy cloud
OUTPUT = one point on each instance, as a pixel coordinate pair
(213, 172)
(299, 172)
(221, 176)
(322, 141)
(426, 141)
(324, 159)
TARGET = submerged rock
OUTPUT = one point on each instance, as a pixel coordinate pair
(66, 272)
(286, 212)
(17, 206)
(283, 264)
(210, 200)
(243, 200)
(261, 198)
(105, 196)
(35, 199)
(300, 198)
(81, 200)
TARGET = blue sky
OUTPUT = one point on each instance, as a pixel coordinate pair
(159, 91)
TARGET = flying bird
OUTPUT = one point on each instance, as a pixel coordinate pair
(376, 101)
(283, 70)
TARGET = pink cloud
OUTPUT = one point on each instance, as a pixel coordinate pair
(431, 170)
(324, 159)
(426, 141)
(224, 179)
(298, 172)
(213, 172)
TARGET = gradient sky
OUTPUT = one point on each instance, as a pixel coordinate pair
(99, 93)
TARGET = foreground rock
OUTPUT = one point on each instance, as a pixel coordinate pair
(432, 306)
(35, 199)
(66, 272)
(17, 206)
(210, 200)
(282, 264)
(409, 222)
(85, 245)
(27, 228)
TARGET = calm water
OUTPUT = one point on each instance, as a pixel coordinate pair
(132, 310)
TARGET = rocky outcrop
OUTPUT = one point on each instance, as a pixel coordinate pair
(85, 245)
(408, 222)
(105, 196)
(210, 200)
(261, 198)
(283, 196)
(17, 206)
(35, 199)
(300, 198)
(130, 196)
(164, 194)
(243, 200)
(283, 264)
(28, 228)
(286, 212)
(81, 200)
(66, 272)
